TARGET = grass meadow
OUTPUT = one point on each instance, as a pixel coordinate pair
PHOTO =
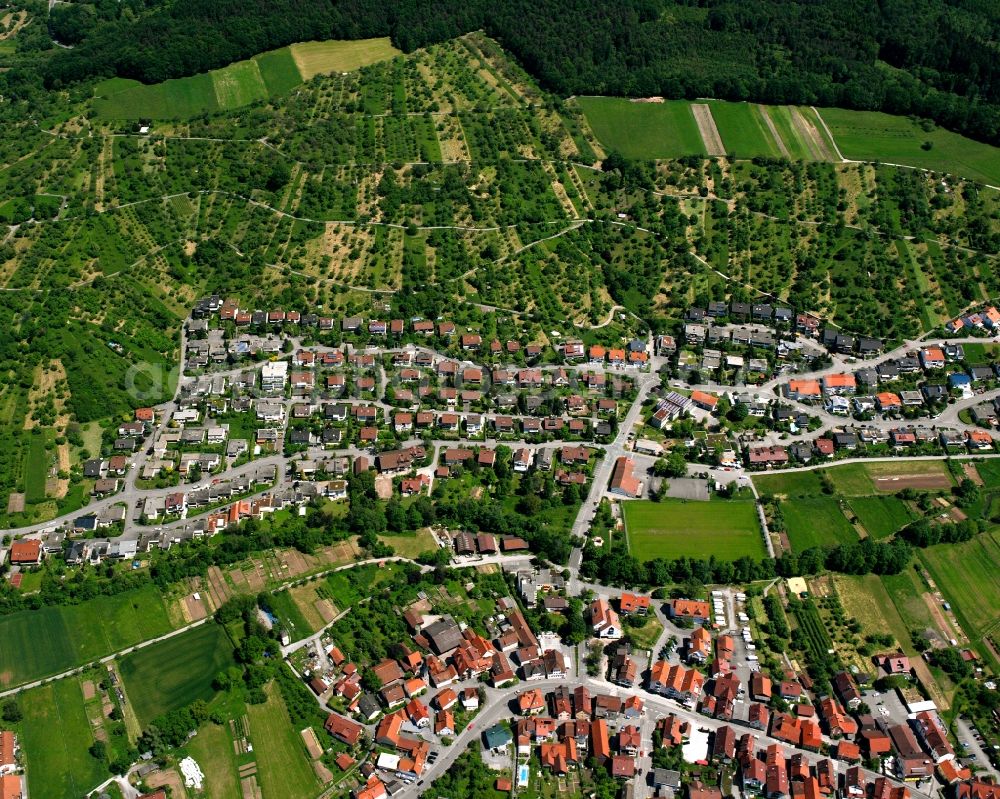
(851, 480)
(727, 529)
(174, 673)
(816, 522)
(968, 575)
(39, 643)
(213, 749)
(644, 130)
(881, 516)
(238, 84)
(55, 734)
(262, 77)
(289, 615)
(874, 136)
(36, 468)
(319, 58)
(743, 130)
(788, 484)
(282, 766)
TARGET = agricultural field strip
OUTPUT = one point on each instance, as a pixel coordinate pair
(180, 630)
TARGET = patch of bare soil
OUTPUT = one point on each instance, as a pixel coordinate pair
(920, 481)
(708, 129)
(168, 778)
(970, 471)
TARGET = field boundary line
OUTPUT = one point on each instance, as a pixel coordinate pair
(829, 133)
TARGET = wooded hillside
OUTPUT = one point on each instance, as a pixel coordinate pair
(929, 57)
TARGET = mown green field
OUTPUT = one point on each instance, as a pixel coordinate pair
(743, 130)
(851, 480)
(173, 99)
(174, 673)
(881, 516)
(283, 768)
(36, 468)
(39, 643)
(816, 522)
(907, 590)
(55, 736)
(781, 116)
(644, 130)
(674, 528)
(789, 484)
(279, 71)
(873, 136)
(238, 84)
(265, 76)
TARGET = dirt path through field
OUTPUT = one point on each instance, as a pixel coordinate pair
(940, 620)
(708, 129)
(774, 132)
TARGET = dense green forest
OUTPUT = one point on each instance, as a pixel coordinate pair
(933, 58)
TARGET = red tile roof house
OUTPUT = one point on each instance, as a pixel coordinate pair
(932, 358)
(839, 384)
(691, 609)
(803, 389)
(8, 746)
(633, 603)
(345, 730)
(25, 552)
(765, 457)
(704, 401)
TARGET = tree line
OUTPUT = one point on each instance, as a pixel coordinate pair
(930, 58)
(618, 567)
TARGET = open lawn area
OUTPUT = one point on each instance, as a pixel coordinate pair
(816, 522)
(727, 529)
(789, 484)
(37, 643)
(182, 98)
(174, 673)
(212, 748)
(643, 130)
(238, 84)
(873, 136)
(881, 516)
(851, 480)
(36, 467)
(283, 769)
(320, 58)
(409, 546)
(646, 636)
(55, 735)
(968, 575)
(989, 471)
(743, 130)
(907, 590)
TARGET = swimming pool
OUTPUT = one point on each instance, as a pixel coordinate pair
(522, 775)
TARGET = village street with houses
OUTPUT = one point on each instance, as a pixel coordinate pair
(281, 472)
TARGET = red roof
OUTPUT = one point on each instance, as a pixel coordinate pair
(25, 551)
(630, 603)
